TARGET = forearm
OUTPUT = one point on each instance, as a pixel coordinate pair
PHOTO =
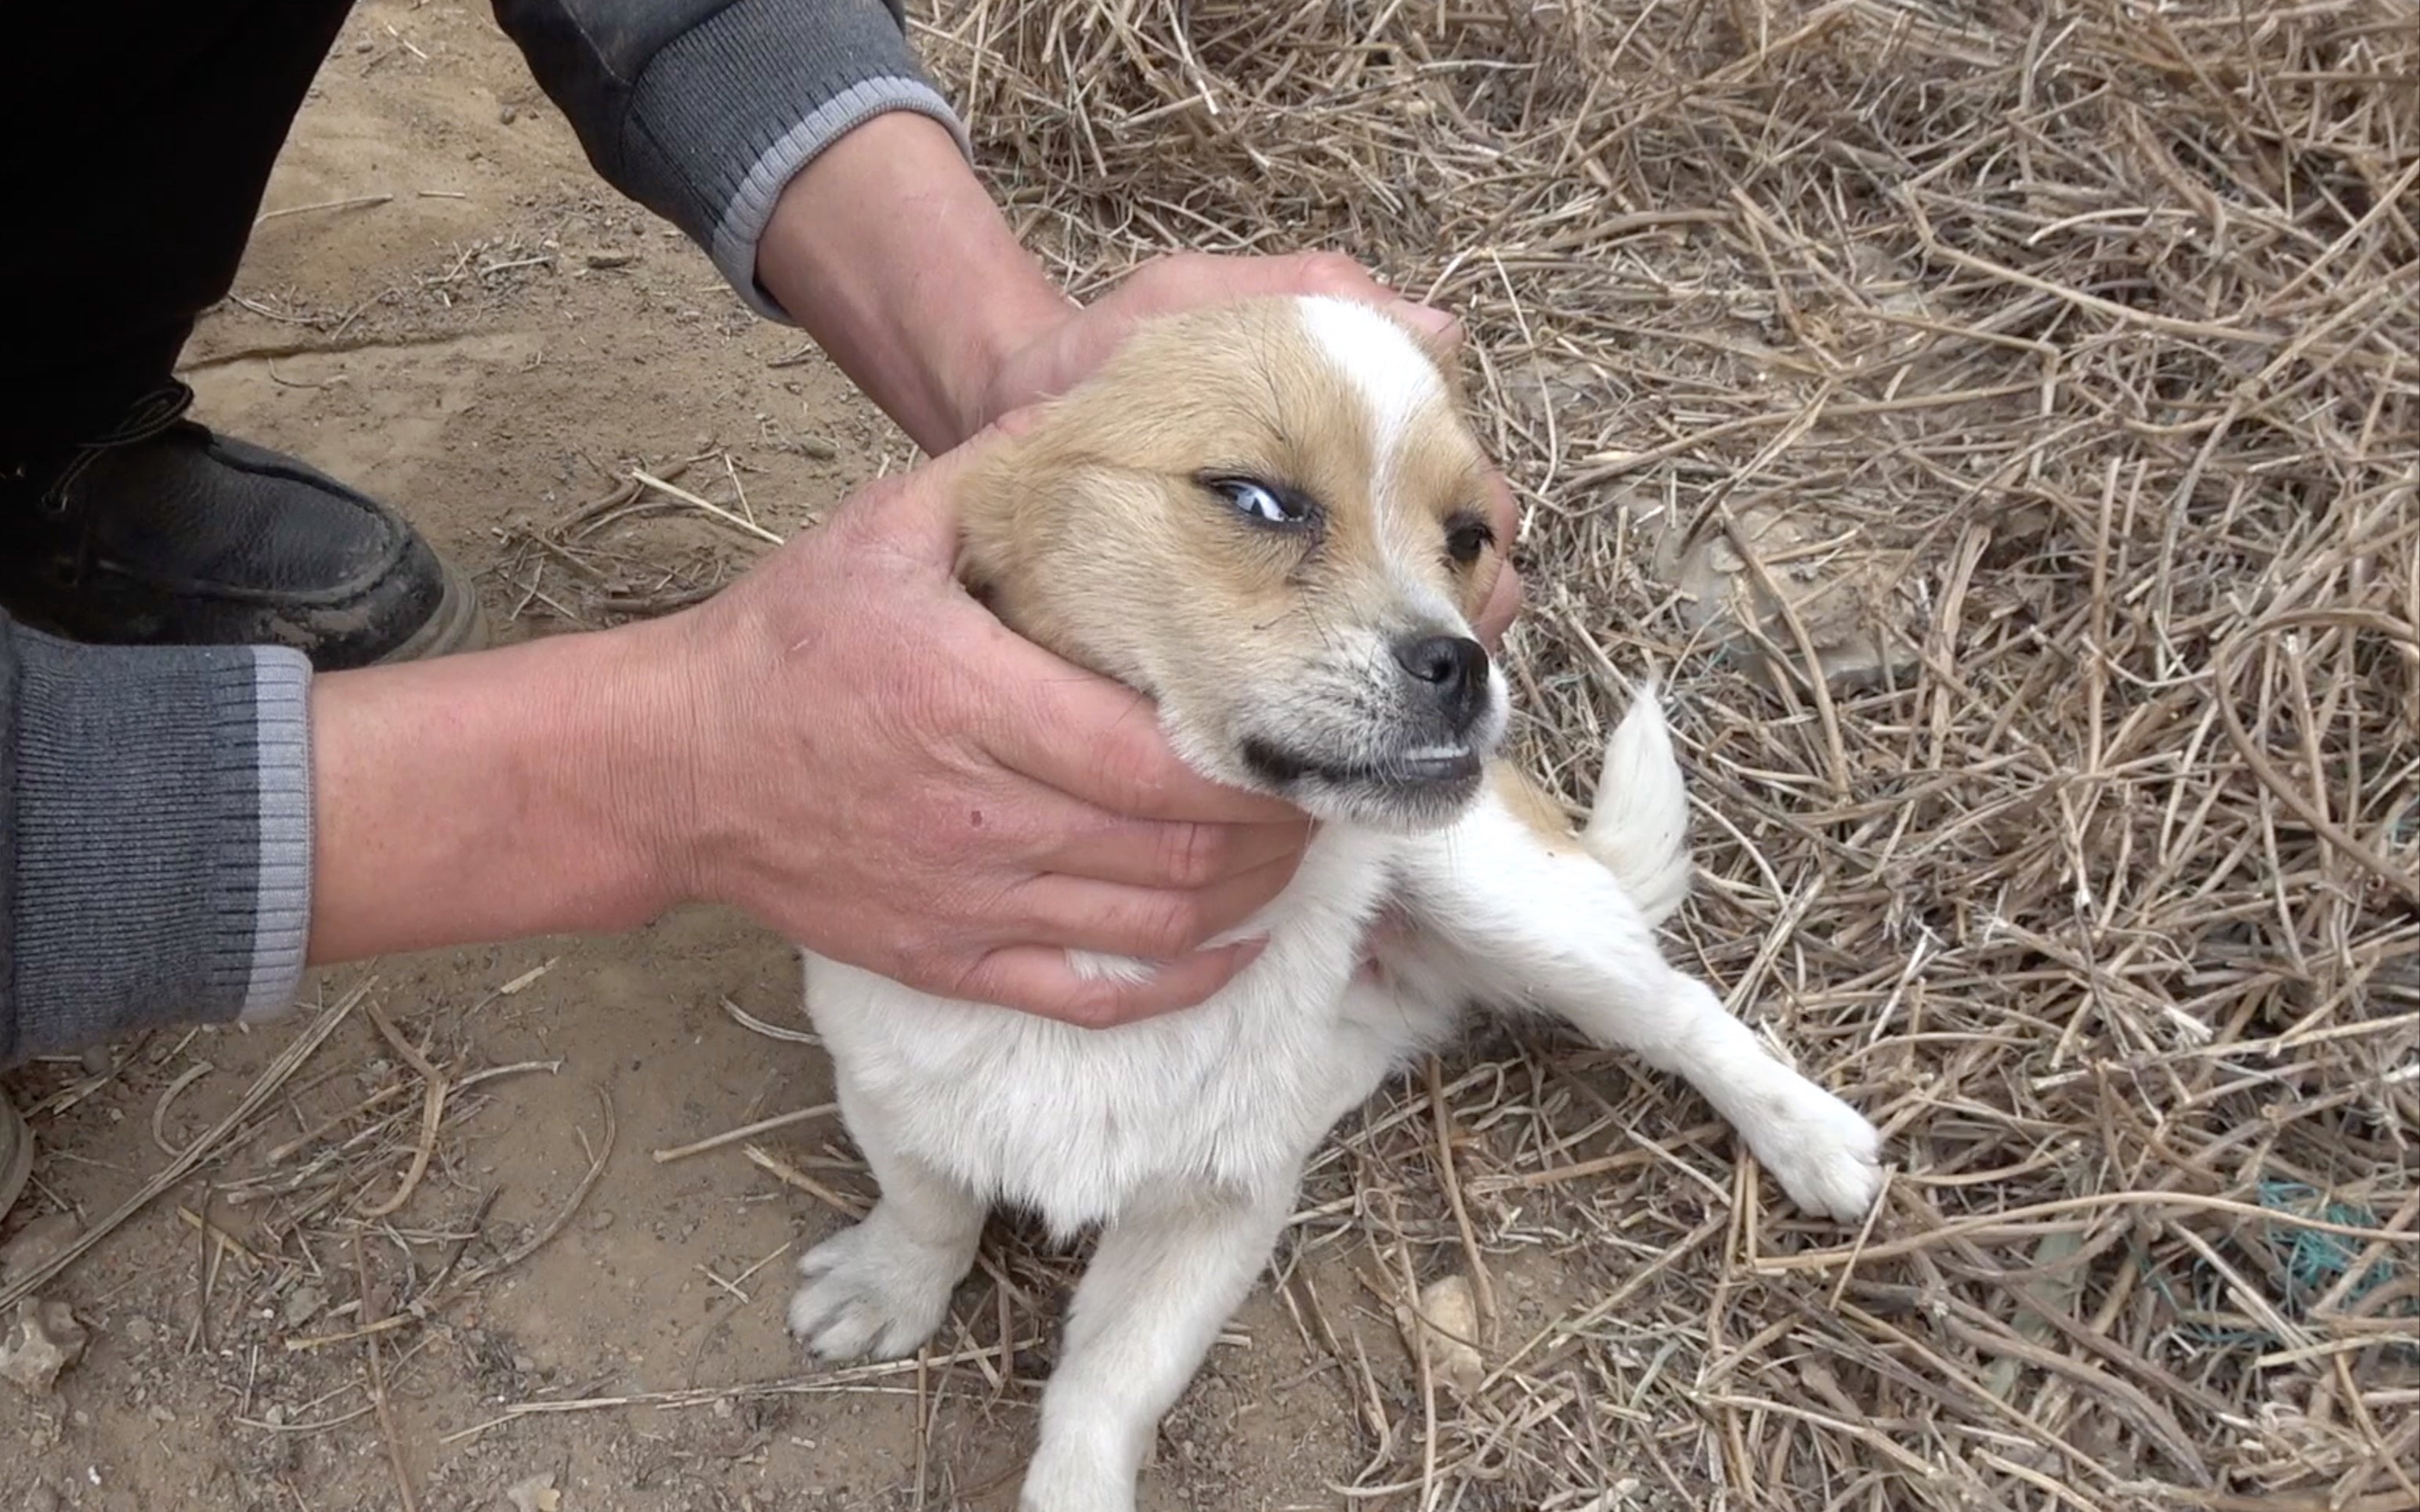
(489, 797)
(892, 255)
(707, 111)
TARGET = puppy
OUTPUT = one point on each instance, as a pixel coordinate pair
(1269, 518)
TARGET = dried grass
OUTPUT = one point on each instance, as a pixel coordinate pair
(2084, 335)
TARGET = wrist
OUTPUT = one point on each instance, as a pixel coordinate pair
(534, 790)
(658, 681)
(891, 252)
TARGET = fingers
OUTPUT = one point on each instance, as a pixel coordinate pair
(1099, 743)
(1149, 923)
(1038, 979)
(1503, 606)
(1182, 279)
(916, 513)
(1168, 853)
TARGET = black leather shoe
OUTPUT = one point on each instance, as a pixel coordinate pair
(160, 532)
(16, 1155)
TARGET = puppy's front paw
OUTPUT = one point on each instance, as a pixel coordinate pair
(1061, 1481)
(872, 1291)
(1822, 1150)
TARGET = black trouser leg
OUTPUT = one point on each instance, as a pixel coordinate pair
(137, 142)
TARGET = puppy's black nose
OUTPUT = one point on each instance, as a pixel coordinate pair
(1454, 665)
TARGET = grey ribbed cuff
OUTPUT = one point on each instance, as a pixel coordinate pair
(162, 855)
(281, 933)
(731, 109)
(745, 216)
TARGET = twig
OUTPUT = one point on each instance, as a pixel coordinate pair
(718, 511)
(746, 1131)
(263, 1087)
(371, 1316)
(433, 1113)
(782, 1171)
(356, 202)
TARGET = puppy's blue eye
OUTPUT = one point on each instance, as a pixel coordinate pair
(1259, 501)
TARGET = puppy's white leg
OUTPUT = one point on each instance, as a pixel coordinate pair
(1515, 914)
(882, 1286)
(1165, 1277)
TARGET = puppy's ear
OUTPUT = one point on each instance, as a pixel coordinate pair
(989, 502)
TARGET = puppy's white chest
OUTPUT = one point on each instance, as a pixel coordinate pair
(1072, 1123)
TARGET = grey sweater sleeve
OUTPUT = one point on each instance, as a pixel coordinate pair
(704, 110)
(155, 837)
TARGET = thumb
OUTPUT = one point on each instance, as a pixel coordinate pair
(918, 514)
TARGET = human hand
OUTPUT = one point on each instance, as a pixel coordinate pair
(1066, 348)
(879, 768)
(1062, 352)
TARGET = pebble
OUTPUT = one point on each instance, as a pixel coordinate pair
(139, 1330)
(304, 1303)
(507, 115)
(38, 1243)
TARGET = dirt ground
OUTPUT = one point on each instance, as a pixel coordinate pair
(493, 340)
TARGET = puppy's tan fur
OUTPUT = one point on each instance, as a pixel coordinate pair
(1151, 584)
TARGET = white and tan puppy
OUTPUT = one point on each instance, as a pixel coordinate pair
(1268, 516)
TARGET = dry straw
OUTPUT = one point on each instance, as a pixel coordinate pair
(2083, 335)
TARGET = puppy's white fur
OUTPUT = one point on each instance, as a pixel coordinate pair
(1184, 1137)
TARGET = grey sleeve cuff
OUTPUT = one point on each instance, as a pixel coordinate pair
(159, 838)
(704, 110)
(745, 215)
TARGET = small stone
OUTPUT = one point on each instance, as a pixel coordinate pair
(304, 1303)
(46, 1340)
(601, 1219)
(139, 1331)
(535, 1495)
(95, 1060)
(1447, 1324)
(506, 114)
(38, 1243)
(724, 1406)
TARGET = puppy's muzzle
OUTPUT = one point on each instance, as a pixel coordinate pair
(1451, 672)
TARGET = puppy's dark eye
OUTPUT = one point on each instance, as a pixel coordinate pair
(1266, 503)
(1466, 536)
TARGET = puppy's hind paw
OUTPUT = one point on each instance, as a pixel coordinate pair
(1822, 1150)
(871, 1291)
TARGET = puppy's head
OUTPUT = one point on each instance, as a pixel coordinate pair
(1269, 517)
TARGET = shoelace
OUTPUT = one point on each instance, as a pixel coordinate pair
(146, 417)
